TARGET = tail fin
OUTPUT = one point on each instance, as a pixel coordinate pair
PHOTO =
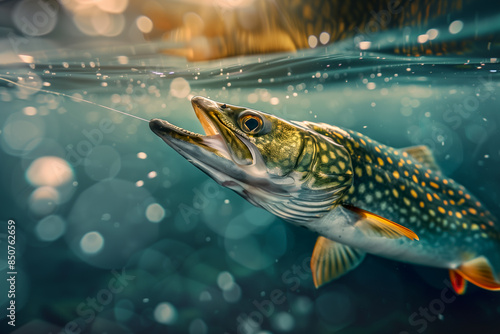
(478, 271)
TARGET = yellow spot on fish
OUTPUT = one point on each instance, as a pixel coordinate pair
(432, 213)
(332, 155)
(334, 169)
(436, 196)
(378, 178)
(423, 184)
(450, 192)
(490, 223)
(452, 202)
(369, 170)
(342, 165)
(473, 211)
(467, 196)
(426, 175)
(323, 146)
(462, 201)
(478, 204)
(458, 214)
(405, 154)
(395, 174)
(416, 171)
(445, 202)
(460, 192)
(389, 160)
(380, 161)
(368, 159)
(377, 149)
(359, 171)
(434, 185)
(362, 141)
(395, 193)
(464, 225)
(450, 213)
(402, 187)
(408, 162)
(406, 173)
(407, 201)
(429, 197)
(422, 204)
(440, 209)
(474, 227)
(324, 159)
(413, 193)
(414, 178)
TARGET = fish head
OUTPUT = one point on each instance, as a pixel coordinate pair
(284, 167)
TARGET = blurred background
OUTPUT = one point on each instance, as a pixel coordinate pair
(116, 233)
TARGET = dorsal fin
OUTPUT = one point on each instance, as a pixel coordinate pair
(373, 224)
(423, 155)
(331, 260)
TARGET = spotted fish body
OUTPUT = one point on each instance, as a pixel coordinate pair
(405, 186)
(360, 196)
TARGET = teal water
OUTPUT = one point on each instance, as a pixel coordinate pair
(94, 192)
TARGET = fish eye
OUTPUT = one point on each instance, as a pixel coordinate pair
(224, 106)
(251, 124)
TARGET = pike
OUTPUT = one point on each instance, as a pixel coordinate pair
(360, 196)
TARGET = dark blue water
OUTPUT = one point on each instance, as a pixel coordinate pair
(116, 233)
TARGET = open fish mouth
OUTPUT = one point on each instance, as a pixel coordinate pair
(219, 138)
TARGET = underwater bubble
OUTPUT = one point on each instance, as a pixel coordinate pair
(432, 33)
(302, 305)
(124, 310)
(103, 162)
(50, 228)
(165, 313)
(248, 252)
(125, 204)
(225, 280)
(142, 155)
(283, 321)
(155, 212)
(179, 87)
(92, 242)
(205, 296)
(144, 24)
(29, 111)
(43, 200)
(35, 18)
(19, 131)
(312, 41)
(198, 326)
(49, 171)
(456, 26)
(232, 294)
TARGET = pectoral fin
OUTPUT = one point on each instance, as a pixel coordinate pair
(458, 282)
(478, 271)
(374, 224)
(331, 260)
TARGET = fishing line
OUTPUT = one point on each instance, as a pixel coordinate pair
(73, 98)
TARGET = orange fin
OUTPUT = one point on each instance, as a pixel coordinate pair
(458, 282)
(331, 260)
(371, 223)
(478, 271)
